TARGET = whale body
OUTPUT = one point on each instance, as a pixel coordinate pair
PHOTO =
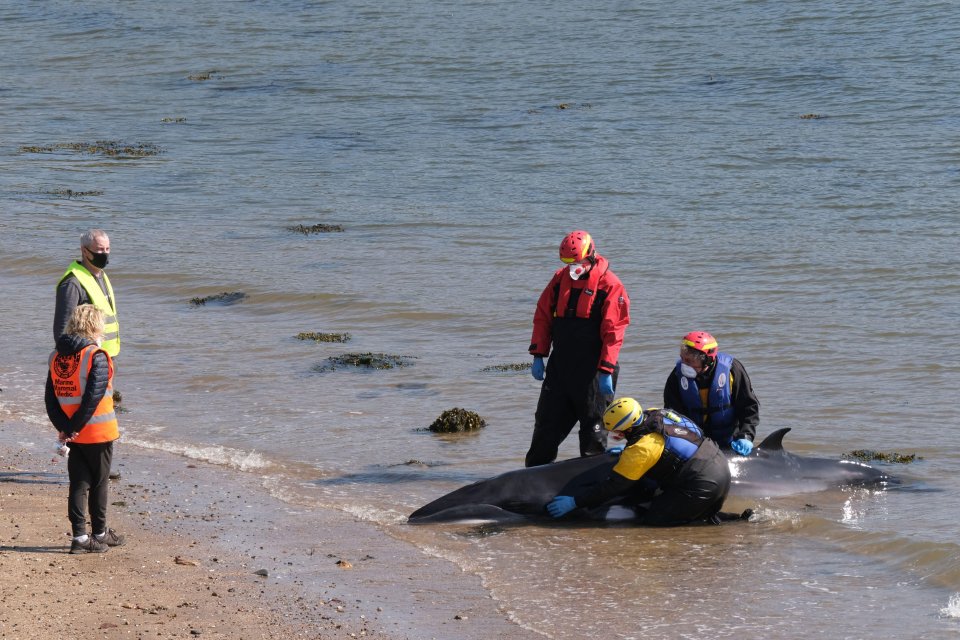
(769, 471)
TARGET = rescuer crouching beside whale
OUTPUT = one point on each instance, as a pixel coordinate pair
(665, 451)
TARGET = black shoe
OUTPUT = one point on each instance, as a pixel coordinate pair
(726, 516)
(111, 538)
(90, 545)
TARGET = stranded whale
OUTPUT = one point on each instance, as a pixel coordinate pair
(768, 471)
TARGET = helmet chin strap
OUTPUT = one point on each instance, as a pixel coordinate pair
(710, 363)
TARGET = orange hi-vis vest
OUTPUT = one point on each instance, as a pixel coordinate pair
(69, 375)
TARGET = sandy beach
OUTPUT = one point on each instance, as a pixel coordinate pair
(195, 559)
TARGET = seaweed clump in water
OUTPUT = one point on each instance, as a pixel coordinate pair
(562, 106)
(323, 337)
(111, 148)
(457, 420)
(227, 297)
(518, 366)
(70, 193)
(204, 76)
(364, 361)
(315, 228)
(899, 458)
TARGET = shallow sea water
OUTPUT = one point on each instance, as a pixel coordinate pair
(456, 143)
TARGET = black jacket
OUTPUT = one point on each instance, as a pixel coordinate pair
(97, 381)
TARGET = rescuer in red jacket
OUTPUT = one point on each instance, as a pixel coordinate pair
(582, 313)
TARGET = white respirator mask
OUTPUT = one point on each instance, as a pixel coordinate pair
(687, 371)
(578, 270)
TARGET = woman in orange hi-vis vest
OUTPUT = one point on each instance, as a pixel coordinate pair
(79, 399)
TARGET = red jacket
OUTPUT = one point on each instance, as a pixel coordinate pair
(600, 298)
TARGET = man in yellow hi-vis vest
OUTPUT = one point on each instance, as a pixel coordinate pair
(86, 283)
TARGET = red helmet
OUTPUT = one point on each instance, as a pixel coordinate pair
(701, 341)
(577, 247)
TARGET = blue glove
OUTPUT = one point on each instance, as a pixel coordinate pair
(561, 505)
(537, 369)
(742, 446)
(606, 384)
(616, 449)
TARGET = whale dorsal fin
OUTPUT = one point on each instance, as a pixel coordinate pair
(774, 441)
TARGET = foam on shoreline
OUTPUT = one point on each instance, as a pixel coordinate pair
(311, 555)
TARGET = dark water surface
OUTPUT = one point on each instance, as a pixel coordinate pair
(783, 175)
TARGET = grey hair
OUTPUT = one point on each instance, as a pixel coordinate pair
(89, 236)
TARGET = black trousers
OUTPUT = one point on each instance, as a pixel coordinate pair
(89, 468)
(696, 495)
(566, 398)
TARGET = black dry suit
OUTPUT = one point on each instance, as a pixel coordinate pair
(692, 475)
(570, 392)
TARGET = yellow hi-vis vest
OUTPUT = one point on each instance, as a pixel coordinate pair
(69, 376)
(111, 329)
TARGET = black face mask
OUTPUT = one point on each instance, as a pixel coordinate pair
(99, 260)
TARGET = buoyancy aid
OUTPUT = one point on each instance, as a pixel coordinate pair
(106, 303)
(69, 375)
(711, 408)
(682, 438)
(588, 292)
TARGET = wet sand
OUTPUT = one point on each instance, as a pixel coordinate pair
(197, 536)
